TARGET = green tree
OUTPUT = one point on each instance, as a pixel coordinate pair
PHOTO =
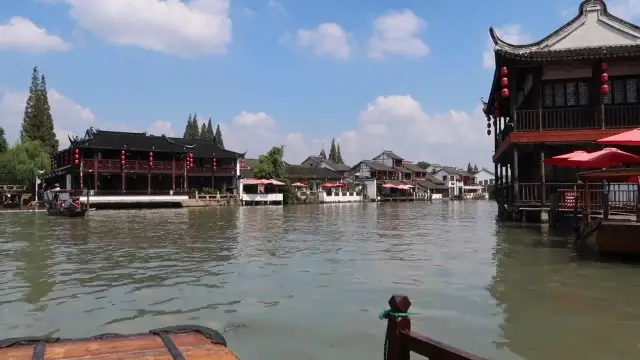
(475, 168)
(211, 136)
(271, 165)
(323, 154)
(203, 131)
(23, 162)
(218, 137)
(194, 130)
(4, 145)
(339, 159)
(333, 151)
(187, 128)
(37, 122)
(469, 167)
(423, 164)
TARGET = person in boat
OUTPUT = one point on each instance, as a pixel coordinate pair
(56, 192)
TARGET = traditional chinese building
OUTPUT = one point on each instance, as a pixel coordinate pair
(137, 163)
(559, 94)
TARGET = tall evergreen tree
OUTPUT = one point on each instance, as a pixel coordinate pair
(333, 151)
(339, 155)
(323, 154)
(475, 168)
(203, 131)
(218, 137)
(469, 167)
(37, 123)
(4, 145)
(194, 131)
(187, 128)
(210, 134)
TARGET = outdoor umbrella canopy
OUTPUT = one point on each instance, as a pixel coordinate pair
(298, 184)
(563, 160)
(604, 158)
(631, 138)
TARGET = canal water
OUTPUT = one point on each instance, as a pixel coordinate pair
(307, 282)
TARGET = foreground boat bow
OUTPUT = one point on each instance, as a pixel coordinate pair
(185, 342)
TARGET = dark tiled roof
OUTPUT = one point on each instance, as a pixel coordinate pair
(246, 173)
(590, 53)
(434, 179)
(336, 166)
(455, 171)
(376, 165)
(402, 170)
(311, 173)
(115, 140)
(391, 154)
(206, 148)
(315, 159)
(414, 168)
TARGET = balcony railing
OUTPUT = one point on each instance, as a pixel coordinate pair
(615, 116)
(622, 197)
(159, 167)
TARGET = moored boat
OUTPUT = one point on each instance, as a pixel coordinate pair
(185, 342)
(63, 203)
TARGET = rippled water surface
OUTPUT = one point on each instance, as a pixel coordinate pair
(308, 282)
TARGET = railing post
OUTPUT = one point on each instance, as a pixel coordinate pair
(395, 346)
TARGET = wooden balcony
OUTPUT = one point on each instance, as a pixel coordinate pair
(615, 117)
(159, 167)
(622, 197)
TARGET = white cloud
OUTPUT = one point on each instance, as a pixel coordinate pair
(398, 32)
(249, 119)
(172, 27)
(276, 6)
(511, 33)
(327, 39)
(399, 123)
(626, 9)
(21, 34)
(70, 118)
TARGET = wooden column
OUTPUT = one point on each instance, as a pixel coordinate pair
(543, 179)
(516, 190)
(173, 173)
(95, 172)
(506, 184)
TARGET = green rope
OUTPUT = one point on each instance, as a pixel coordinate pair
(386, 314)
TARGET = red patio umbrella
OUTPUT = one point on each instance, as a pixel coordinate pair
(604, 158)
(328, 185)
(563, 160)
(631, 138)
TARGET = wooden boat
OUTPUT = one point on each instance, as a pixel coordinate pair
(614, 227)
(62, 203)
(187, 342)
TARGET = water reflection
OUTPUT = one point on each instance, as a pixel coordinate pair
(556, 309)
(315, 277)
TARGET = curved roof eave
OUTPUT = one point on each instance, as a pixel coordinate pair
(499, 43)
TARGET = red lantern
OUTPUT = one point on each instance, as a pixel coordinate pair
(151, 154)
(604, 67)
(604, 78)
(604, 89)
(505, 93)
(77, 156)
(504, 82)
(504, 71)
(122, 152)
(77, 151)
(241, 163)
(215, 163)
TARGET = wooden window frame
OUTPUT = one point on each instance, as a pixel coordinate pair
(624, 78)
(564, 83)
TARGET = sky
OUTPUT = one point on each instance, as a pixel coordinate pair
(402, 75)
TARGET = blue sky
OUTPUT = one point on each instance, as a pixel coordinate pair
(399, 75)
